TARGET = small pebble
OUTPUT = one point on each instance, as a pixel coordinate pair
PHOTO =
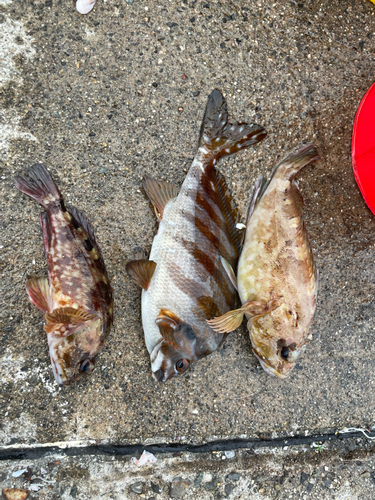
(137, 487)
(233, 476)
(196, 93)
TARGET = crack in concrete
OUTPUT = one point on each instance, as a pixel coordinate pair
(81, 448)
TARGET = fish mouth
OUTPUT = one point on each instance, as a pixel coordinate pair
(270, 369)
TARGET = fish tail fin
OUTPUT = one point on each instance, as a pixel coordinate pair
(294, 162)
(219, 136)
(38, 184)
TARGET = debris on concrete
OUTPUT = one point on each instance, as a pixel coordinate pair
(85, 6)
(146, 458)
(15, 494)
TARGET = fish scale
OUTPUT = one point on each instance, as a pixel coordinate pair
(184, 282)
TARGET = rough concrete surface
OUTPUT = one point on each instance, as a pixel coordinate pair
(103, 99)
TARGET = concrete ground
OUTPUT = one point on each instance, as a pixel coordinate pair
(103, 99)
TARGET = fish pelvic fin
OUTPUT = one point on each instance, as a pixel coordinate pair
(232, 320)
(39, 292)
(38, 184)
(160, 193)
(221, 137)
(141, 270)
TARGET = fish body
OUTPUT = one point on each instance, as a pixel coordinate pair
(276, 277)
(76, 298)
(184, 282)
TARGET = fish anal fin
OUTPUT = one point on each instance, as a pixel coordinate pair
(168, 324)
(141, 271)
(68, 316)
(39, 292)
(160, 193)
(229, 270)
(233, 319)
(220, 136)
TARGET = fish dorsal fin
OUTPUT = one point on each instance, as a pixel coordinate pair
(257, 194)
(83, 221)
(168, 324)
(139, 253)
(39, 292)
(159, 192)
(68, 316)
(141, 271)
(222, 137)
(229, 270)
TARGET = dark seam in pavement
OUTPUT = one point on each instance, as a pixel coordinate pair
(113, 450)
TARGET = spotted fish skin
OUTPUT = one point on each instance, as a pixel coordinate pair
(77, 298)
(277, 277)
(188, 284)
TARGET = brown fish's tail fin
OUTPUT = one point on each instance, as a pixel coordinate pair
(294, 162)
(221, 137)
(38, 184)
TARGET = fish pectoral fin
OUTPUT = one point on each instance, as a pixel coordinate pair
(227, 322)
(39, 292)
(141, 271)
(233, 319)
(168, 324)
(159, 192)
(68, 316)
(229, 270)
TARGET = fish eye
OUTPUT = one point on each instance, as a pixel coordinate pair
(285, 353)
(182, 365)
(86, 366)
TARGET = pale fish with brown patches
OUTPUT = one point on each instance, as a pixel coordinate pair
(277, 278)
(76, 298)
(184, 282)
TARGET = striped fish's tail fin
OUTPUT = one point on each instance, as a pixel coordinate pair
(38, 184)
(221, 137)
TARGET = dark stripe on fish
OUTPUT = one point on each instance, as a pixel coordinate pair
(213, 270)
(200, 226)
(187, 285)
(208, 209)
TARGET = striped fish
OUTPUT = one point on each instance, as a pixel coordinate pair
(184, 282)
(76, 298)
(277, 277)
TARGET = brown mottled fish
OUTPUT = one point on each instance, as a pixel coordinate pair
(277, 277)
(184, 282)
(76, 298)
